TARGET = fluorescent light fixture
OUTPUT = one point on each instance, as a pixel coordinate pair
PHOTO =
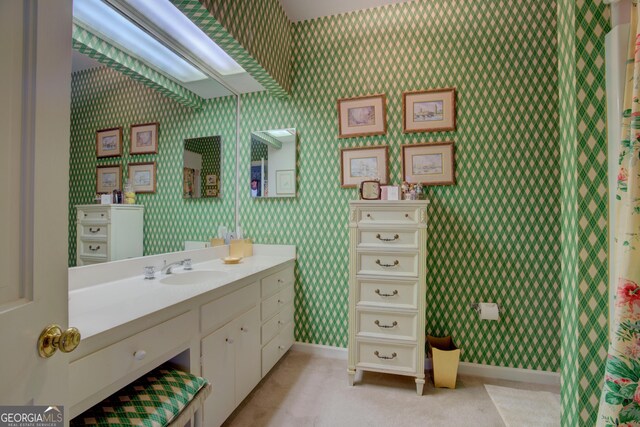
(163, 14)
(113, 27)
(279, 133)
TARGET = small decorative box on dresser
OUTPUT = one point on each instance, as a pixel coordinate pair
(108, 233)
(387, 289)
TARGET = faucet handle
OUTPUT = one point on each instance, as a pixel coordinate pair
(149, 272)
(186, 264)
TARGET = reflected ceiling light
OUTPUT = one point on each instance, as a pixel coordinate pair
(279, 133)
(163, 14)
(113, 27)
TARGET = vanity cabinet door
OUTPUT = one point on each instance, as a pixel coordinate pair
(247, 345)
(218, 366)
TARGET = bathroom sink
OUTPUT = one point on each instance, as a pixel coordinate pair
(192, 277)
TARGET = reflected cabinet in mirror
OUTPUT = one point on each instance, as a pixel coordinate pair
(202, 167)
(273, 163)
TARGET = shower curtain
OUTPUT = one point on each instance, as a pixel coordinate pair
(620, 401)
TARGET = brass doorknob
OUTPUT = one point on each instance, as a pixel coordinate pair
(53, 338)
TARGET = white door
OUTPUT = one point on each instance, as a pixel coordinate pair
(35, 73)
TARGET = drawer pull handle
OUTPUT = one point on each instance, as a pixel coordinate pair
(369, 216)
(280, 281)
(280, 347)
(395, 263)
(395, 292)
(229, 340)
(406, 215)
(279, 322)
(91, 248)
(140, 354)
(394, 238)
(279, 301)
(393, 325)
(91, 230)
(393, 356)
(243, 329)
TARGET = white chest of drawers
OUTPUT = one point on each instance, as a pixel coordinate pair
(108, 233)
(387, 288)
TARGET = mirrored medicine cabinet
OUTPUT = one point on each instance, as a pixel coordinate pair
(273, 163)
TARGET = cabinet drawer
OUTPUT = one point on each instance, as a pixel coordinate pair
(388, 263)
(95, 216)
(387, 238)
(273, 351)
(93, 248)
(388, 293)
(93, 231)
(380, 216)
(276, 281)
(272, 327)
(98, 370)
(388, 357)
(224, 309)
(89, 261)
(380, 324)
(274, 304)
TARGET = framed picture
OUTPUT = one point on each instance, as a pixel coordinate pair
(285, 182)
(212, 180)
(362, 116)
(429, 110)
(390, 192)
(108, 178)
(370, 190)
(364, 164)
(143, 177)
(211, 192)
(428, 164)
(109, 142)
(144, 139)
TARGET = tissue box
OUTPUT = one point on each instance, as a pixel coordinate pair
(446, 357)
(241, 248)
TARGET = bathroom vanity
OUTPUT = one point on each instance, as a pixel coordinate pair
(227, 323)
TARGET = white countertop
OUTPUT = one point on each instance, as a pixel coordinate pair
(100, 307)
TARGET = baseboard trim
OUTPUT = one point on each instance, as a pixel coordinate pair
(321, 350)
(465, 368)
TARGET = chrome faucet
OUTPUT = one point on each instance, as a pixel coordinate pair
(168, 268)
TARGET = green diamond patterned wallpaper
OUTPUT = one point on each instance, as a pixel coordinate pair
(103, 98)
(492, 237)
(256, 34)
(581, 30)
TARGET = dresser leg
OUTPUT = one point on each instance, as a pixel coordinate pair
(419, 385)
(352, 375)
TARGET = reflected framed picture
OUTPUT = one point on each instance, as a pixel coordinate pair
(109, 143)
(362, 116)
(364, 164)
(429, 164)
(143, 177)
(429, 110)
(108, 178)
(212, 180)
(285, 182)
(144, 139)
(211, 192)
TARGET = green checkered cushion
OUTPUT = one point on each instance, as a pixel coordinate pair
(152, 400)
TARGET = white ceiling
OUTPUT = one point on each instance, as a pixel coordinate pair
(301, 10)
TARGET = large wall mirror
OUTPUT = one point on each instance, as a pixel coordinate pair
(273, 163)
(202, 167)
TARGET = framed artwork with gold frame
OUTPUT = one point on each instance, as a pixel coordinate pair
(429, 163)
(143, 177)
(359, 164)
(109, 143)
(108, 178)
(429, 110)
(144, 139)
(362, 116)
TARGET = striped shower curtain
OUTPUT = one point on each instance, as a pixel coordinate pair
(620, 402)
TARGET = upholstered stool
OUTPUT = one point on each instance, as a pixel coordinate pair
(162, 397)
